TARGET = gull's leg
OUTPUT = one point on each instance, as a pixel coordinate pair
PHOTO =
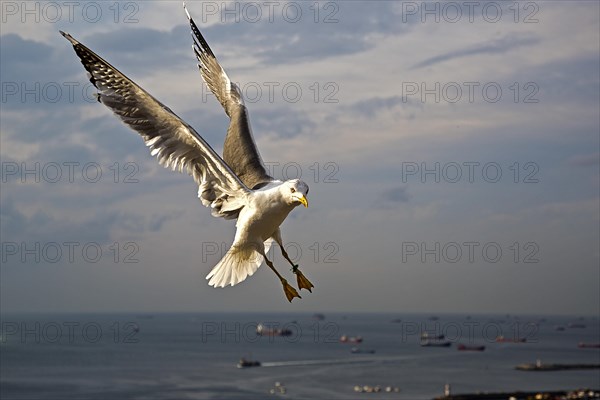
(303, 282)
(289, 291)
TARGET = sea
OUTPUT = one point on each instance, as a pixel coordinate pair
(195, 355)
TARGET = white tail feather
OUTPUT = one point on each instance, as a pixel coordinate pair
(236, 266)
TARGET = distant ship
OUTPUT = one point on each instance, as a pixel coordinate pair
(502, 339)
(262, 330)
(435, 343)
(427, 335)
(582, 345)
(538, 366)
(463, 347)
(356, 350)
(244, 363)
(318, 316)
(351, 339)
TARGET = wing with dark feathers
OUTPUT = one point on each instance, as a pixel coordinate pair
(176, 144)
(239, 151)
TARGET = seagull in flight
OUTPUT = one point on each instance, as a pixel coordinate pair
(236, 186)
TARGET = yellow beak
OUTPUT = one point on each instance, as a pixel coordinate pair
(303, 200)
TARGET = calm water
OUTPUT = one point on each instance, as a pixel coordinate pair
(194, 356)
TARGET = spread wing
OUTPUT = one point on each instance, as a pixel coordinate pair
(176, 144)
(239, 151)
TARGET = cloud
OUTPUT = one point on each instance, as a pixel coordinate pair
(584, 160)
(32, 72)
(143, 49)
(13, 46)
(99, 227)
(375, 105)
(348, 30)
(497, 46)
(282, 122)
(396, 195)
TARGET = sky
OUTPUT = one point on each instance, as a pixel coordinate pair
(451, 149)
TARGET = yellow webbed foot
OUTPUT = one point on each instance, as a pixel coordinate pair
(289, 291)
(303, 282)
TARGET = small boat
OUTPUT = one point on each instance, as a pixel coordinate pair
(318, 317)
(582, 345)
(503, 339)
(279, 388)
(375, 389)
(244, 363)
(538, 366)
(356, 350)
(559, 328)
(351, 339)
(463, 347)
(427, 335)
(262, 330)
(435, 343)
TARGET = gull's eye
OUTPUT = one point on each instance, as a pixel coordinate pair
(293, 190)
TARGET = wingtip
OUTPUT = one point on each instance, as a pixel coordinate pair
(69, 37)
(186, 11)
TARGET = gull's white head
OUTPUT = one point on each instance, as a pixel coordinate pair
(295, 192)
